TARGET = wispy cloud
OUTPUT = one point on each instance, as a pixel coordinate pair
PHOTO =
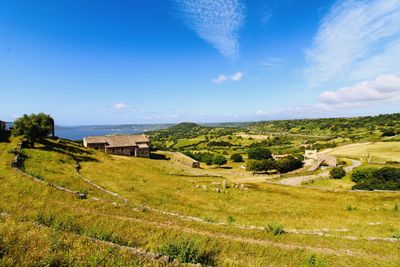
(223, 78)
(272, 62)
(216, 21)
(357, 40)
(120, 106)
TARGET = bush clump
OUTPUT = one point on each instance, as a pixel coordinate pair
(385, 178)
(184, 251)
(259, 153)
(337, 173)
(236, 157)
(219, 160)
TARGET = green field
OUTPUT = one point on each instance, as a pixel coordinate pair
(373, 152)
(166, 202)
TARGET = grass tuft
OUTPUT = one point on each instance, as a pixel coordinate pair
(275, 228)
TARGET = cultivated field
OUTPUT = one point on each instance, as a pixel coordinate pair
(372, 152)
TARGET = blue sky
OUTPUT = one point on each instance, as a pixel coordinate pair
(120, 61)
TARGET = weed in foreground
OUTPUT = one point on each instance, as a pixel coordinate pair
(275, 228)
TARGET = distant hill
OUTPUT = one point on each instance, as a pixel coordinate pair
(180, 131)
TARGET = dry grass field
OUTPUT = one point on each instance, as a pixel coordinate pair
(375, 152)
(135, 206)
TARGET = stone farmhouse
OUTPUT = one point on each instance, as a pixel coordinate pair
(128, 145)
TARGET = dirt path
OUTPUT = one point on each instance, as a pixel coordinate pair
(298, 180)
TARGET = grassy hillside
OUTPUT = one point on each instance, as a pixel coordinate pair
(145, 205)
(281, 137)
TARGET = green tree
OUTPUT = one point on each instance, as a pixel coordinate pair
(236, 157)
(337, 173)
(219, 160)
(259, 153)
(34, 127)
(288, 164)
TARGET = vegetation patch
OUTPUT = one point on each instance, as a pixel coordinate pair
(275, 229)
(386, 178)
(337, 173)
(185, 251)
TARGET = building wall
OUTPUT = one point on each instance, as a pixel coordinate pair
(124, 151)
(143, 152)
(96, 146)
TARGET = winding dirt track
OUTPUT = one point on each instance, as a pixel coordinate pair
(298, 180)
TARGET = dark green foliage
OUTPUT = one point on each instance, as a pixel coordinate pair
(219, 160)
(350, 207)
(388, 134)
(33, 127)
(363, 174)
(288, 164)
(184, 250)
(259, 153)
(276, 141)
(337, 173)
(205, 157)
(386, 178)
(230, 219)
(283, 165)
(236, 157)
(219, 143)
(275, 229)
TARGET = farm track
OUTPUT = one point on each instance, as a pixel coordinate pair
(298, 180)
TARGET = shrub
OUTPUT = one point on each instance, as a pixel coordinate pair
(230, 219)
(288, 164)
(219, 143)
(183, 250)
(386, 178)
(219, 160)
(312, 260)
(275, 229)
(236, 157)
(337, 173)
(388, 134)
(350, 207)
(259, 153)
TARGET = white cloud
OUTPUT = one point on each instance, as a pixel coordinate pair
(364, 97)
(223, 78)
(215, 21)
(383, 88)
(120, 106)
(357, 40)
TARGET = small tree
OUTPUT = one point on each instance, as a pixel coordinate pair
(259, 153)
(34, 127)
(236, 157)
(337, 173)
(219, 160)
